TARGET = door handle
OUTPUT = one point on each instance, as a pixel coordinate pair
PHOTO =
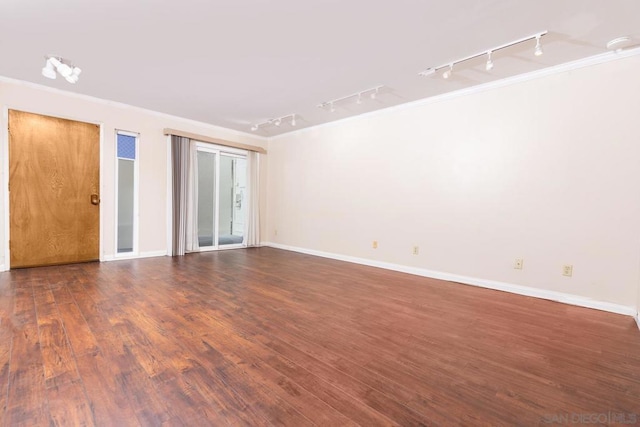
(95, 200)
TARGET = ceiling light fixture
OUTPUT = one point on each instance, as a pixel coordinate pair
(488, 52)
(331, 105)
(74, 76)
(448, 73)
(63, 67)
(489, 65)
(538, 50)
(619, 43)
(275, 122)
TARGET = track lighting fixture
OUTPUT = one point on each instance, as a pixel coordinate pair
(489, 53)
(538, 50)
(331, 105)
(275, 122)
(489, 65)
(63, 67)
(427, 72)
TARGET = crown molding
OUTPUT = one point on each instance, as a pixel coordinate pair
(125, 106)
(508, 81)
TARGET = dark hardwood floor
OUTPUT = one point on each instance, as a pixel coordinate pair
(269, 337)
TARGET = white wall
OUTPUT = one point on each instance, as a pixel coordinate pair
(152, 154)
(546, 169)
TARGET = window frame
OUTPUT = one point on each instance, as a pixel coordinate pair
(220, 150)
(136, 179)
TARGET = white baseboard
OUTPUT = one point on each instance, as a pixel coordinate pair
(490, 284)
(638, 319)
(150, 254)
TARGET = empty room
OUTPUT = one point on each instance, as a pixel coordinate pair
(300, 213)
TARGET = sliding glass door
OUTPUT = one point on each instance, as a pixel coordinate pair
(221, 198)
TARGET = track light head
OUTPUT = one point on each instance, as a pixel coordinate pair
(277, 122)
(293, 120)
(332, 108)
(65, 70)
(254, 128)
(73, 77)
(49, 71)
(359, 100)
(489, 65)
(54, 61)
(538, 50)
(448, 73)
(374, 94)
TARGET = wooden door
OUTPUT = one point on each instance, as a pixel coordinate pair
(54, 182)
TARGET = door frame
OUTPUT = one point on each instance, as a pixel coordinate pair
(5, 263)
(219, 150)
(136, 197)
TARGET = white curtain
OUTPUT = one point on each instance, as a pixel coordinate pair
(252, 224)
(192, 200)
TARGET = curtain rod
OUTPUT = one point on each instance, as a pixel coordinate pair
(224, 142)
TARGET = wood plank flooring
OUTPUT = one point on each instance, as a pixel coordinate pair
(262, 337)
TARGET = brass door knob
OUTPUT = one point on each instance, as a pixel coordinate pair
(95, 200)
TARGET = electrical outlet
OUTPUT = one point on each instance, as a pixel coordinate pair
(567, 270)
(416, 250)
(518, 263)
(374, 245)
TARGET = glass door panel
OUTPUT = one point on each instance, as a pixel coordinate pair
(233, 183)
(206, 199)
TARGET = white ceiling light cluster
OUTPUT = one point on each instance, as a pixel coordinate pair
(276, 122)
(489, 52)
(63, 67)
(331, 105)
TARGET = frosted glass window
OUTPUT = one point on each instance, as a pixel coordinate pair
(126, 219)
(126, 176)
(206, 198)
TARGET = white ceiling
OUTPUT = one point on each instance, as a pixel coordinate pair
(233, 63)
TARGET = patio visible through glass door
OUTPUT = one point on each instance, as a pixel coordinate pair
(221, 198)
